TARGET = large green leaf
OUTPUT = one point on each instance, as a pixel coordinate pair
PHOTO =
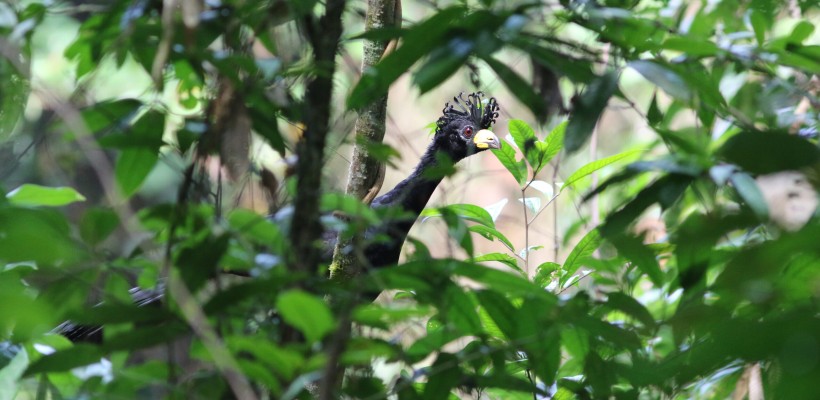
(307, 313)
(133, 166)
(764, 152)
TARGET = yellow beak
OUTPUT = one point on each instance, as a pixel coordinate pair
(485, 139)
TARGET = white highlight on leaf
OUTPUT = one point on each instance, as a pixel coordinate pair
(543, 187)
(510, 140)
(532, 203)
(496, 208)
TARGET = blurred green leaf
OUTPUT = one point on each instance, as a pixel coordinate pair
(307, 313)
(751, 194)
(522, 90)
(30, 194)
(133, 166)
(587, 109)
(763, 152)
(665, 78)
(97, 224)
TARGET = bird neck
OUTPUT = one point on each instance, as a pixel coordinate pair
(414, 191)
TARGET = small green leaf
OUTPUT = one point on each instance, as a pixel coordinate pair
(576, 257)
(525, 139)
(801, 32)
(307, 313)
(555, 142)
(506, 156)
(751, 194)
(597, 165)
(691, 46)
(35, 195)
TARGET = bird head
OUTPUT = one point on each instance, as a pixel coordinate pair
(464, 127)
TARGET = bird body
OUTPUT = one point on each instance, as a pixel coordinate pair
(461, 131)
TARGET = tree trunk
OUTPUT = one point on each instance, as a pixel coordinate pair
(366, 174)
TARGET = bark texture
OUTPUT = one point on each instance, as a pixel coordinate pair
(324, 34)
(366, 174)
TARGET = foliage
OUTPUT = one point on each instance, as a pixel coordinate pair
(732, 285)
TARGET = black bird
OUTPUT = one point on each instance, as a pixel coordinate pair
(461, 131)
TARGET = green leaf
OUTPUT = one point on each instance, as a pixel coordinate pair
(64, 360)
(506, 156)
(517, 85)
(525, 139)
(109, 114)
(639, 254)
(469, 212)
(750, 193)
(801, 32)
(630, 306)
(653, 114)
(765, 152)
(307, 313)
(555, 143)
(596, 165)
(461, 311)
(505, 259)
(417, 42)
(665, 78)
(760, 26)
(146, 133)
(97, 224)
(500, 310)
(24, 232)
(443, 62)
(490, 234)
(133, 166)
(691, 46)
(444, 375)
(29, 194)
(587, 109)
(11, 372)
(585, 247)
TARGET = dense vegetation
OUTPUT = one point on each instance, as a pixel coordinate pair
(683, 265)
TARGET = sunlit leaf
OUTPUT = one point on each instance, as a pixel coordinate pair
(596, 165)
(30, 194)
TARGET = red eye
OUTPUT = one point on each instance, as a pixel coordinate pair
(468, 131)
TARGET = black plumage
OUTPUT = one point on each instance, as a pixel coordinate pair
(461, 131)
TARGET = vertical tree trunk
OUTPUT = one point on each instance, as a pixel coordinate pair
(324, 37)
(366, 174)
